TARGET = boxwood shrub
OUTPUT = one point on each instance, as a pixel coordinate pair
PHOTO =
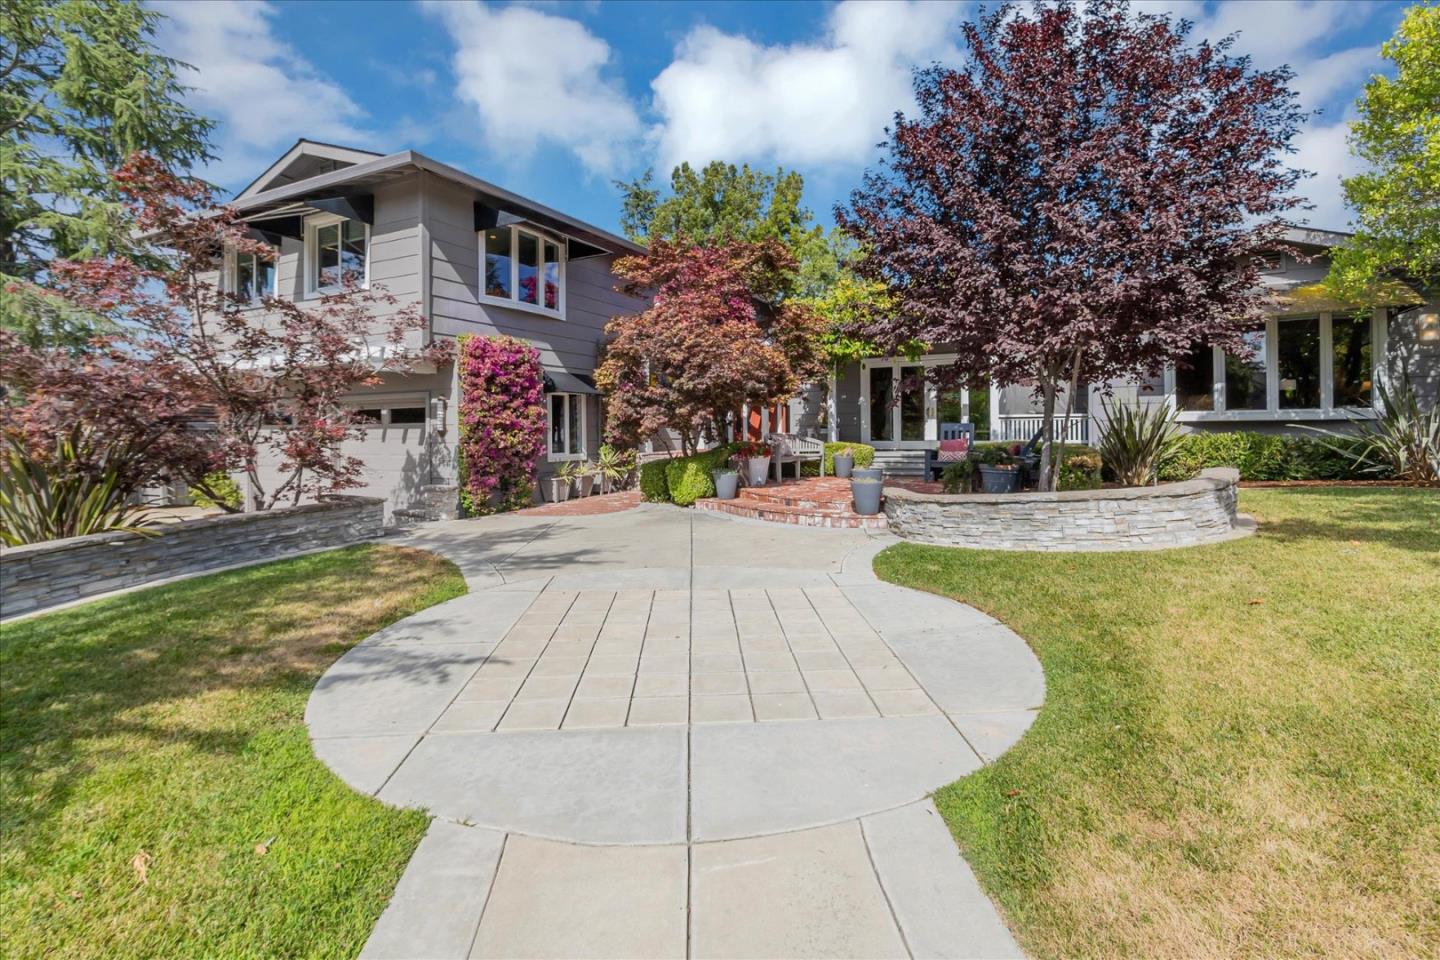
(1264, 456)
(653, 486)
(863, 452)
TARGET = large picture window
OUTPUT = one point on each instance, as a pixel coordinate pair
(523, 267)
(1318, 366)
(337, 254)
(567, 426)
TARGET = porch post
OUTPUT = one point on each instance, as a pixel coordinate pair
(832, 409)
(995, 411)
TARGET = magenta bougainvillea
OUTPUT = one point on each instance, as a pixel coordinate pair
(502, 422)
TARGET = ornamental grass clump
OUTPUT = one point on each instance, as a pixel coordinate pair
(502, 423)
(81, 487)
(1136, 441)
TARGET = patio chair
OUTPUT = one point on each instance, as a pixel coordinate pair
(955, 438)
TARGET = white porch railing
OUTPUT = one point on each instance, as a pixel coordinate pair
(1025, 425)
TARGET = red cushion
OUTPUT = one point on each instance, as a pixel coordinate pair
(952, 450)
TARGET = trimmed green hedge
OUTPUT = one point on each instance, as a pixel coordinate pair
(1264, 456)
(864, 456)
(683, 480)
(653, 487)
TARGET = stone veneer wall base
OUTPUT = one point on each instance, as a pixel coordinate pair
(1182, 514)
(40, 576)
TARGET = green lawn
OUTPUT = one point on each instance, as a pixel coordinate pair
(1239, 753)
(150, 744)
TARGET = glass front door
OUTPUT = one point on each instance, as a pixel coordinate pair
(899, 405)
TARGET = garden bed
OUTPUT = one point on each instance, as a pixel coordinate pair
(1125, 518)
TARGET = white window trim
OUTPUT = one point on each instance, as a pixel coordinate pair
(313, 223)
(230, 275)
(1273, 411)
(582, 453)
(387, 402)
(513, 302)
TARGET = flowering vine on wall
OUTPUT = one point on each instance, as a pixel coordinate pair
(502, 422)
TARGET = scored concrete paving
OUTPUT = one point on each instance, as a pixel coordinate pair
(663, 733)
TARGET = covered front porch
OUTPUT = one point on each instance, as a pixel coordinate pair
(896, 406)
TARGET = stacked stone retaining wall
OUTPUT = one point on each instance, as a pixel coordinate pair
(1128, 518)
(41, 575)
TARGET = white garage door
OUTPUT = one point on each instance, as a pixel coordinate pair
(393, 450)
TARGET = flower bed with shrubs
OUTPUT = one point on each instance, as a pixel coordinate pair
(683, 480)
(1262, 456)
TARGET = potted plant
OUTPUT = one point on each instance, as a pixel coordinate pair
(727, 479)
(614, 467)
(844, 462)
(557, 486)
(756, 456)
(865, 492)
(584, 477)
(999, 473)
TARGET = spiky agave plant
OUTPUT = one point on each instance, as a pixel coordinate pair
(1136, 441)
(80, 489)
(1402, 440)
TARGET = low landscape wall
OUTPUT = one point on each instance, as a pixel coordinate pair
(1126, 518)
(41, 575)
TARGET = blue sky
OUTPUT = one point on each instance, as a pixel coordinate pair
(556, 100)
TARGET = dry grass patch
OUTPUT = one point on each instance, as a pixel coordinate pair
(1239, 753)
(158, 794)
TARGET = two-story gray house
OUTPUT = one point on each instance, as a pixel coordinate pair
(474, 257)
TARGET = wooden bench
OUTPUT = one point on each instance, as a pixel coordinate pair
(793, 448)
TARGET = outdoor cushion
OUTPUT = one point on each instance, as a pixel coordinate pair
(952, 450)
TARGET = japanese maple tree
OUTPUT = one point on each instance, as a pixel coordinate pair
(264, 377)
(1082, 200)
(721, 332)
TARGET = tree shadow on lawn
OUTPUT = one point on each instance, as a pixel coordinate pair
(1365, 516)
(96, 684)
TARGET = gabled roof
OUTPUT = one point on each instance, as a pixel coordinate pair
(304, 160)
(357, 172)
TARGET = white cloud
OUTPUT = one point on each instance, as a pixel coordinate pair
(726, 97)
(538, 78)
(264, 93)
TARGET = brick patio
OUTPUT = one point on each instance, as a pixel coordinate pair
(808, 502)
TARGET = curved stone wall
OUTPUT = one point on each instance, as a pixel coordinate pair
(1128, 518)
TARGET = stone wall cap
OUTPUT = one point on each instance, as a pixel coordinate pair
(1215, 478)
(327, 503)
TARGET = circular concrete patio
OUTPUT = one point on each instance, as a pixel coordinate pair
(772, 684)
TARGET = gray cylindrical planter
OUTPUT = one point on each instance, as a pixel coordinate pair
(844, 463)
(866, 494)
(999, 479)
(757, 471)
(727, 484)
(867, 473)
(557, 489)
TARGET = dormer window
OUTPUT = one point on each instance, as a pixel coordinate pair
(523, 268)
(337, 252)
(249, 277)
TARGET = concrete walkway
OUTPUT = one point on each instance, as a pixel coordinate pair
(665, 733)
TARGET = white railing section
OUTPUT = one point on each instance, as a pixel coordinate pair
(1024, 426)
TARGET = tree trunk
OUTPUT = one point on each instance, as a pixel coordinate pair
(1047, 432)
(1072, 387)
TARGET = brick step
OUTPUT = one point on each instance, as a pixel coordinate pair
(800, 501)
(799, 516)
(809, 494)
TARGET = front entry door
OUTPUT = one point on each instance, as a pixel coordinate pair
(897, 414)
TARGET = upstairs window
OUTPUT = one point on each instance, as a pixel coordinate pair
(520, 266)
(249, 276)
(337, 252)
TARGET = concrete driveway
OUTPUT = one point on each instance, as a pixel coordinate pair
(663, 733)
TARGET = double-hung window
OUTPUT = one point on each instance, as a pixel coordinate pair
(337, 254)
(523, 268)
(567, 426)
(1322, 366)
(249, 277)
